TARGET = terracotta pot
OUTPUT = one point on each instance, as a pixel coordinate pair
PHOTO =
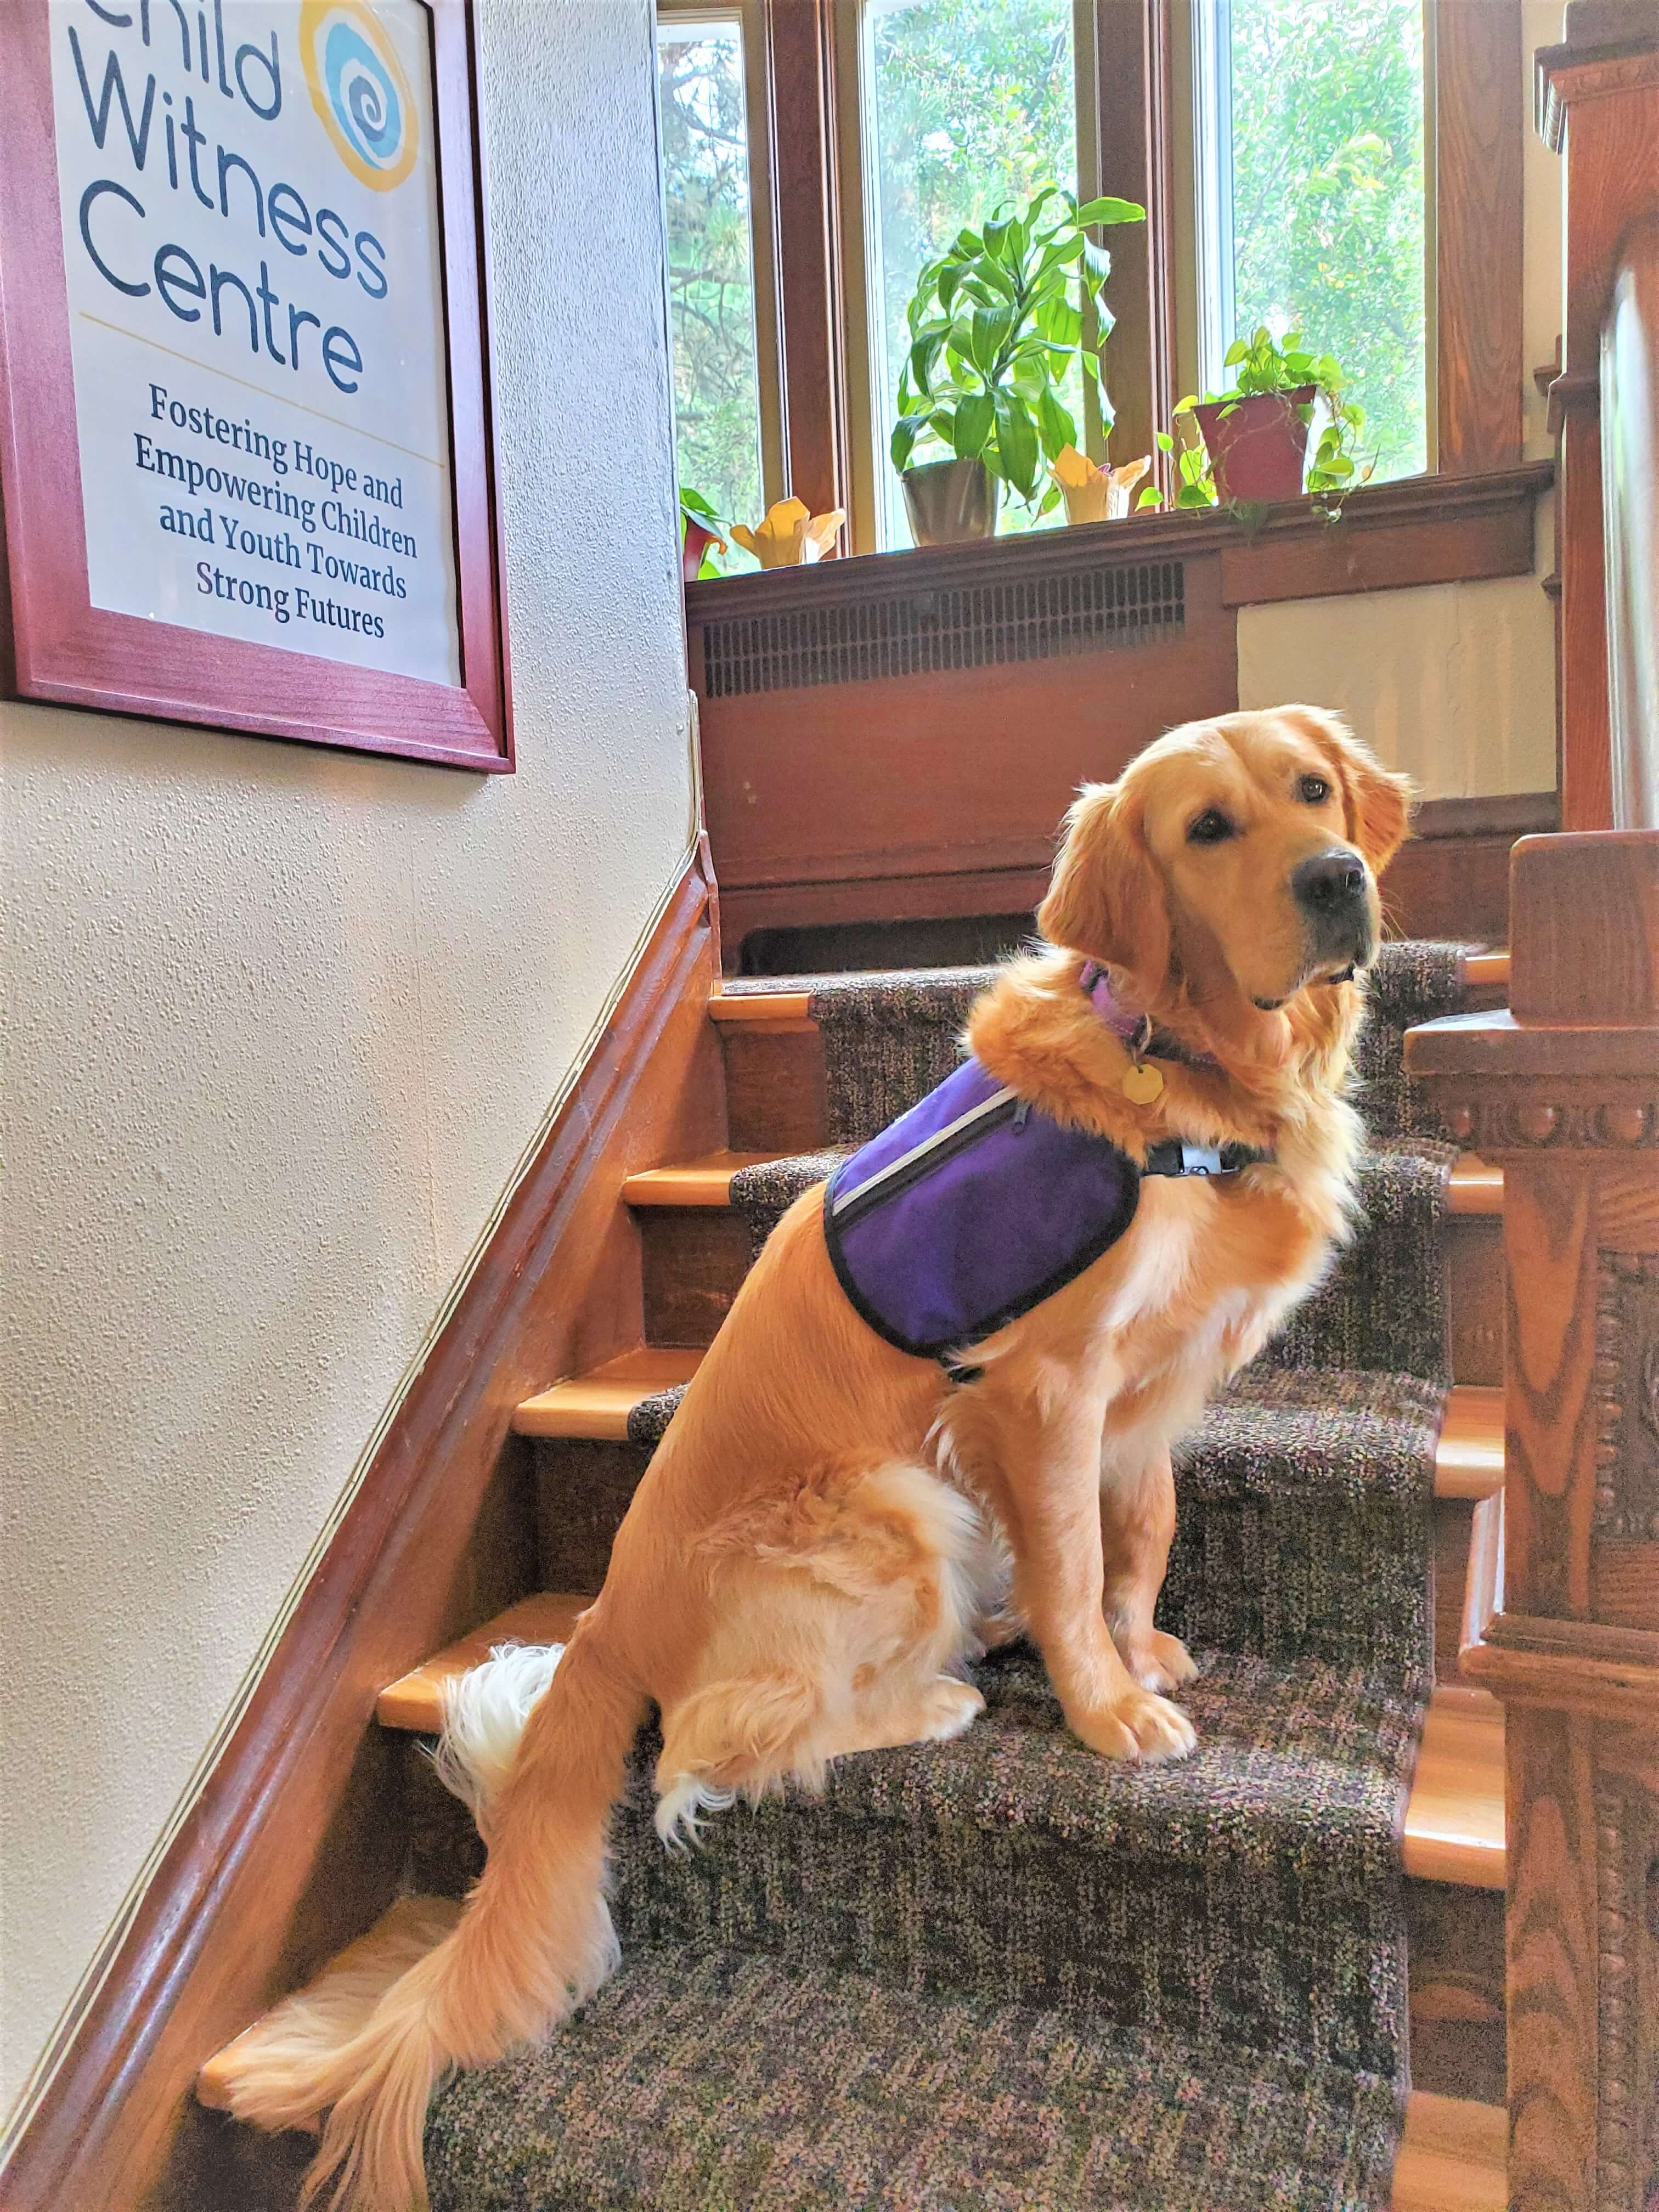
(1258, 446)
(950, 502)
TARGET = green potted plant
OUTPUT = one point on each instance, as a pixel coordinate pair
(1256, 431)
(995, 324)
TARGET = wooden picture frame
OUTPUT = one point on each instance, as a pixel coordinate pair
(54, 645)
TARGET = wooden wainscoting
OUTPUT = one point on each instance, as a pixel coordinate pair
(294, 1846)
(896, 738)
(1452, 879)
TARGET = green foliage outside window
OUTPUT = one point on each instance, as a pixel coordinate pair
(710, 266)
(1328, 198)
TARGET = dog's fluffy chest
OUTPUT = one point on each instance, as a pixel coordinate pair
(1205, 1275)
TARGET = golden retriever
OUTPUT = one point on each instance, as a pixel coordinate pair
(832, 1526)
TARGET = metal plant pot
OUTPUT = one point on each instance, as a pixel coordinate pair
(949, 502)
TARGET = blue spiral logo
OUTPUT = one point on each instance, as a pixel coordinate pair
(358, 87)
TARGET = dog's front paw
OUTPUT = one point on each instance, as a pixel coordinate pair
(1159, 1662)
(1139, 1726)
(951, 1708)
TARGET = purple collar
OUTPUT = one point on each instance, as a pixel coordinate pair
(1134, 1032)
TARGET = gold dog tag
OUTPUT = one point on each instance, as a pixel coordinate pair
(1142, 1083)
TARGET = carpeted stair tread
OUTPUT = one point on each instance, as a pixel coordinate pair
(1384, 1304)
(1454, 1824)
(1412, 980)
(622, 1403)
(1300, 1754)
(1249, 1894)
(889, 1036)
(1322, 1431)
(1348, 1431)
(1476, 1185)
(733, 2084)
(1305, 1498)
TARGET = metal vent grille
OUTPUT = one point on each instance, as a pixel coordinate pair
(971, 626)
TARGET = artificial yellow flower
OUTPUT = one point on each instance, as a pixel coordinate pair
(1093, 494)
(790, 535)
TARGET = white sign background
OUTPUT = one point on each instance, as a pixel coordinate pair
(256, 321)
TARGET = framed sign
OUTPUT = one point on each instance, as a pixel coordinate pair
(245, 435)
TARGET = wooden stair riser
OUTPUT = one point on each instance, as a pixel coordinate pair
(1474, 1298)
(693, 1260)
(583, 1486)
(1458, 2043)
(1454, 1519)
(777, 1095)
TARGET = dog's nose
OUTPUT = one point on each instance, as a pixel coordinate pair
(1329, 884)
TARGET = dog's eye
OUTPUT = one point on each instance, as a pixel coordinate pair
(1315, 789)
(1212, 828)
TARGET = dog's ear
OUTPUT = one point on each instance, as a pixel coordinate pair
(1376, 802)
(1107, 896)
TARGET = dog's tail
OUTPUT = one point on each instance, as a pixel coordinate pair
(532, 1942)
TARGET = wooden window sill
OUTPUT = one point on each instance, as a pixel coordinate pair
(1419, 530)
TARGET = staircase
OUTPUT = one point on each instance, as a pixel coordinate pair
(1000, 1972)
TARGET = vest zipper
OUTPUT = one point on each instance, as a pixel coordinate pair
(911, 1166)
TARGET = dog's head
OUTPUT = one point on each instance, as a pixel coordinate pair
(1236, 859)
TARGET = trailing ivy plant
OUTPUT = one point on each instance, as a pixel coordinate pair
(1267, 367)
(1194, 485)
(995, 324)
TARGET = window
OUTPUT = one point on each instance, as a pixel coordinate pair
(718, 405)
(967, 104)
(1284, 150)
(1312, 206)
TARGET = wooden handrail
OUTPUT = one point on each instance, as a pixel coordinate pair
(1630, 473)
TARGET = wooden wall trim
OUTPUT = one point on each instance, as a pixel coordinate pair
(1519, 813)
(1473, 532)
(293, 1846)
(1450, 880)
(1478, 148)
(1294, 553)
(811, 318)
(1130, 113)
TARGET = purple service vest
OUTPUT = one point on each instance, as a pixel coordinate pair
(971, 1209)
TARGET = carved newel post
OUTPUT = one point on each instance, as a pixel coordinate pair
(1562, 1088)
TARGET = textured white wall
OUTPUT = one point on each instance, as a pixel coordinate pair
(1455, 681)
(278, 1024)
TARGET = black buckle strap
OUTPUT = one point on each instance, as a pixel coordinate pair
(1174, 1155)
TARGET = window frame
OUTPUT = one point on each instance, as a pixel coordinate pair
(1136, 129)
